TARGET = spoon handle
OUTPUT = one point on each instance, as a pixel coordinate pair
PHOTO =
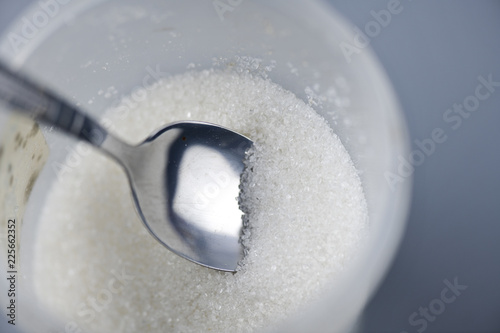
(22, 95)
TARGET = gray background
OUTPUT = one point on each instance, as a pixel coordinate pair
(433, 53)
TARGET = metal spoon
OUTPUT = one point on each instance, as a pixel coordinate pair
(184, 178)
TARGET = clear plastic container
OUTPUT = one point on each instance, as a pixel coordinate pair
(79, 48)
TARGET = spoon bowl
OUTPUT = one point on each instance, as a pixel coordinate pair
(185, 181)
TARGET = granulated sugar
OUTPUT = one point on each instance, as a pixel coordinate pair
(97, 266)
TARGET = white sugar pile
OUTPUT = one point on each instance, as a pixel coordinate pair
(97, 265)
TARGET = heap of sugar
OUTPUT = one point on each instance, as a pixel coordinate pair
(97, 266)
